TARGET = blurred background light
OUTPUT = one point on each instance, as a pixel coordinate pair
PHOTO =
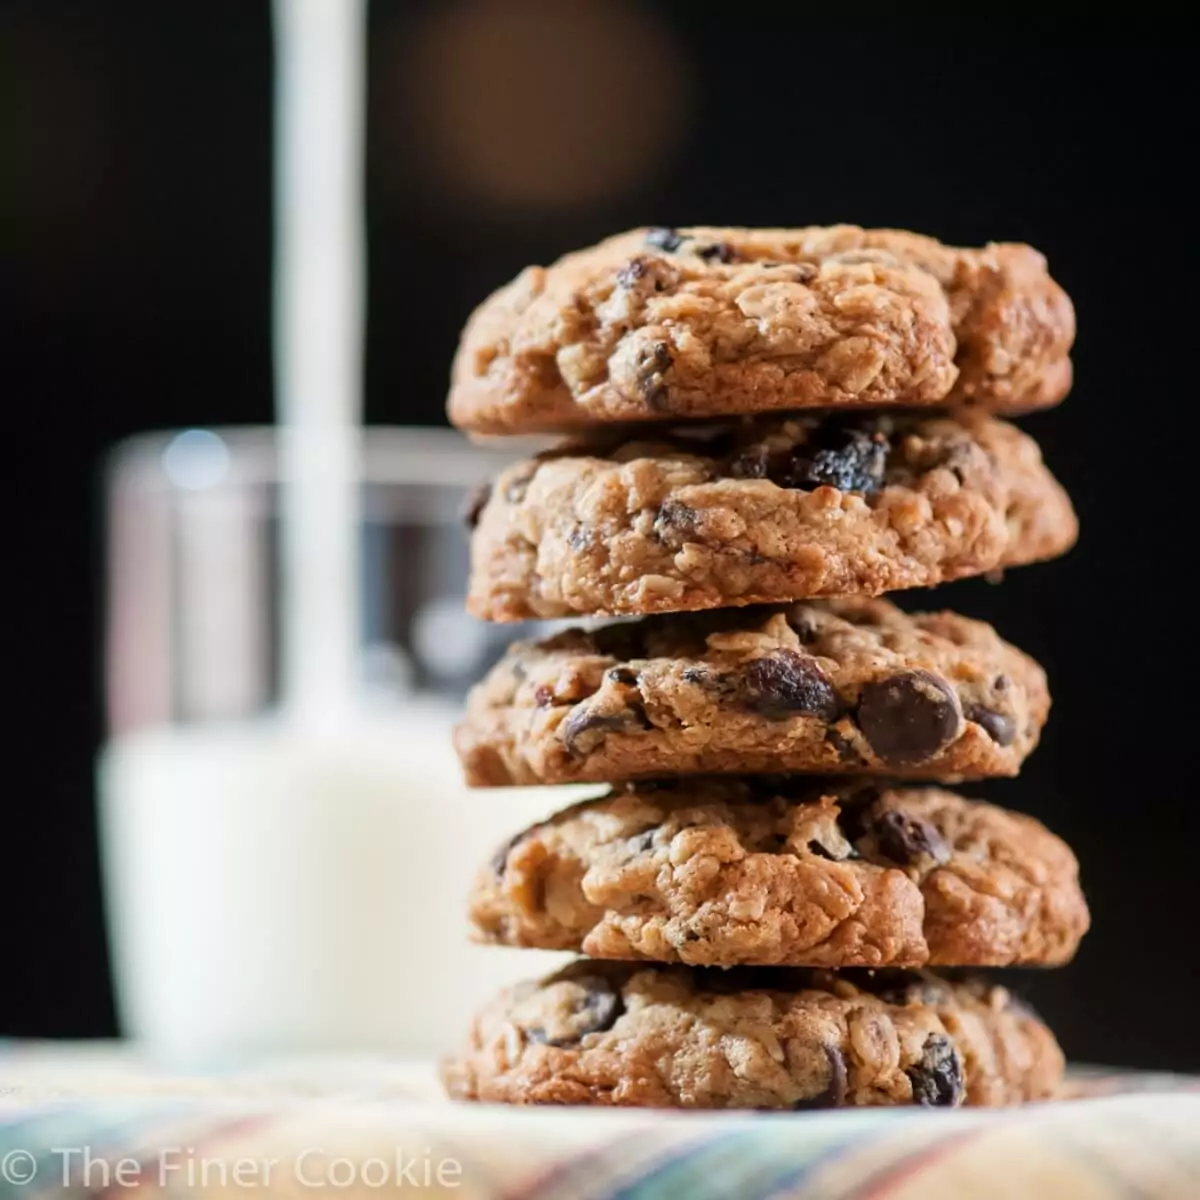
(196, 459)
(535, 103)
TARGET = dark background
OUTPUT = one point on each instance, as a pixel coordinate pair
(135, 218)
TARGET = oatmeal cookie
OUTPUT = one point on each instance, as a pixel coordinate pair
(703, 322)
(760, 511)
(788, 872)
(854, 686)
(678, 1037)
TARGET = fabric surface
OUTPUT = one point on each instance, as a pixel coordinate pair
(93, 1121)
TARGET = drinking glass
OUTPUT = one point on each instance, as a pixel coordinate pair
(273, 886)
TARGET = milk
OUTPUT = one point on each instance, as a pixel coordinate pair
(318, 333)
(296, 881)
(277, 892)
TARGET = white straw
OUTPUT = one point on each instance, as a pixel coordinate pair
(319, 251)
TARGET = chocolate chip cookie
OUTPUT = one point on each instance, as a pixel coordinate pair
(854, 686)
(702, 322)
(678, 1037)
(763, 510)
(787, 872)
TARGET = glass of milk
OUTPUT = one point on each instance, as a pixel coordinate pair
(274, 886)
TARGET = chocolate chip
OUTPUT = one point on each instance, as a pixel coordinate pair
(1002, 683)
(584, 730)
(909, 717)
(696, 675)
(786, 684)
(662, 238)
(621, 675)
(906, 839)
(543, 697)
(937, 1080)
(597, 1009)
(1000, 727)
(834, 1095)
(674, 518)
(806, 272)
(655, 361)
(718, 251)
(475, 502)
(844, 455)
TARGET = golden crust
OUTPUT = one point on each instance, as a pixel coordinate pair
(672, 1037)
(726, 872)
(668, 525)
(704, 322)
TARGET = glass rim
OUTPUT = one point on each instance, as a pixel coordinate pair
(389, 454)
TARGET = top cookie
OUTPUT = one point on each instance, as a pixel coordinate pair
(661, 324)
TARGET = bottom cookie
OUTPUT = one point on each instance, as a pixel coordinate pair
(626, 1034)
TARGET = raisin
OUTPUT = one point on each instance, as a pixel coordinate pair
(585, 730)
(787, 684)
(655, 362)
(674, 518)
(631, 272)
(842, 455)
(596, 1010)
(937, 1080)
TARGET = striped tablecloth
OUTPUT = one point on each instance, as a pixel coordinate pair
(91, 1121)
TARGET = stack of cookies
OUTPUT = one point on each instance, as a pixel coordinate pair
(778, 897)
